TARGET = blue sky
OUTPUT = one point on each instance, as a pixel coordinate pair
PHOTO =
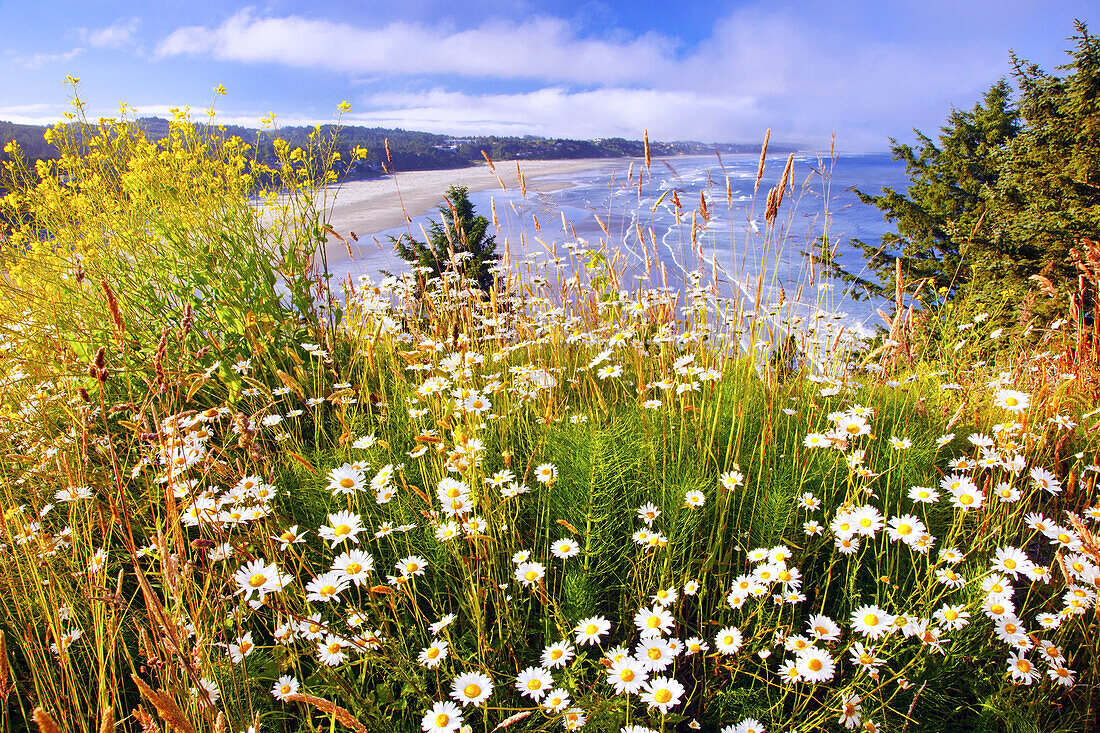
(723, 70)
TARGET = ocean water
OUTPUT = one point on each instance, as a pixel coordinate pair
(542, 226)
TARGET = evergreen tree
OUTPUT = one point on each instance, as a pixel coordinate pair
(458, 240)
(994, 208)
(1048, 195)
(941, 218)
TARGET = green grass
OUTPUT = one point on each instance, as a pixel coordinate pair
(164, 606)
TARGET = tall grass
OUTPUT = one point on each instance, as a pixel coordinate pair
(199, 440)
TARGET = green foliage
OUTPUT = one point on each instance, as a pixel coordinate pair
(1048, 195)
(133, 498)
(942, 217)
(994, 207)
(458, 242)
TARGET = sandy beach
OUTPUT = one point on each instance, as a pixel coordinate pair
(366, 208)
(369, 207)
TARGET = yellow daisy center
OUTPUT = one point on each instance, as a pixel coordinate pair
(257, 580)
(341, 530)
(814, 665)
(353, 568)
(471, 690)
(627, 675)
(662, 696)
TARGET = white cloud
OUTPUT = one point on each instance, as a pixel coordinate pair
(812, 74)
(541, 48)
(802, 71)
(117, 35)
(558, 112)
(31, 114)
(113, 36)
(38, 60)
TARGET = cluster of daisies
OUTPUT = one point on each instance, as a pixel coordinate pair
(644, 669)
(637, 659)
(996, 475)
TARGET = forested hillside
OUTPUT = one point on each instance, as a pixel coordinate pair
(410, 150)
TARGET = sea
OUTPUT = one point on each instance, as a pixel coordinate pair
(604, 209)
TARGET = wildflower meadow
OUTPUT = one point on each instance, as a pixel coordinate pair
(240, 495)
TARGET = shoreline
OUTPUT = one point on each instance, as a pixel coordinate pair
(367, 208)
